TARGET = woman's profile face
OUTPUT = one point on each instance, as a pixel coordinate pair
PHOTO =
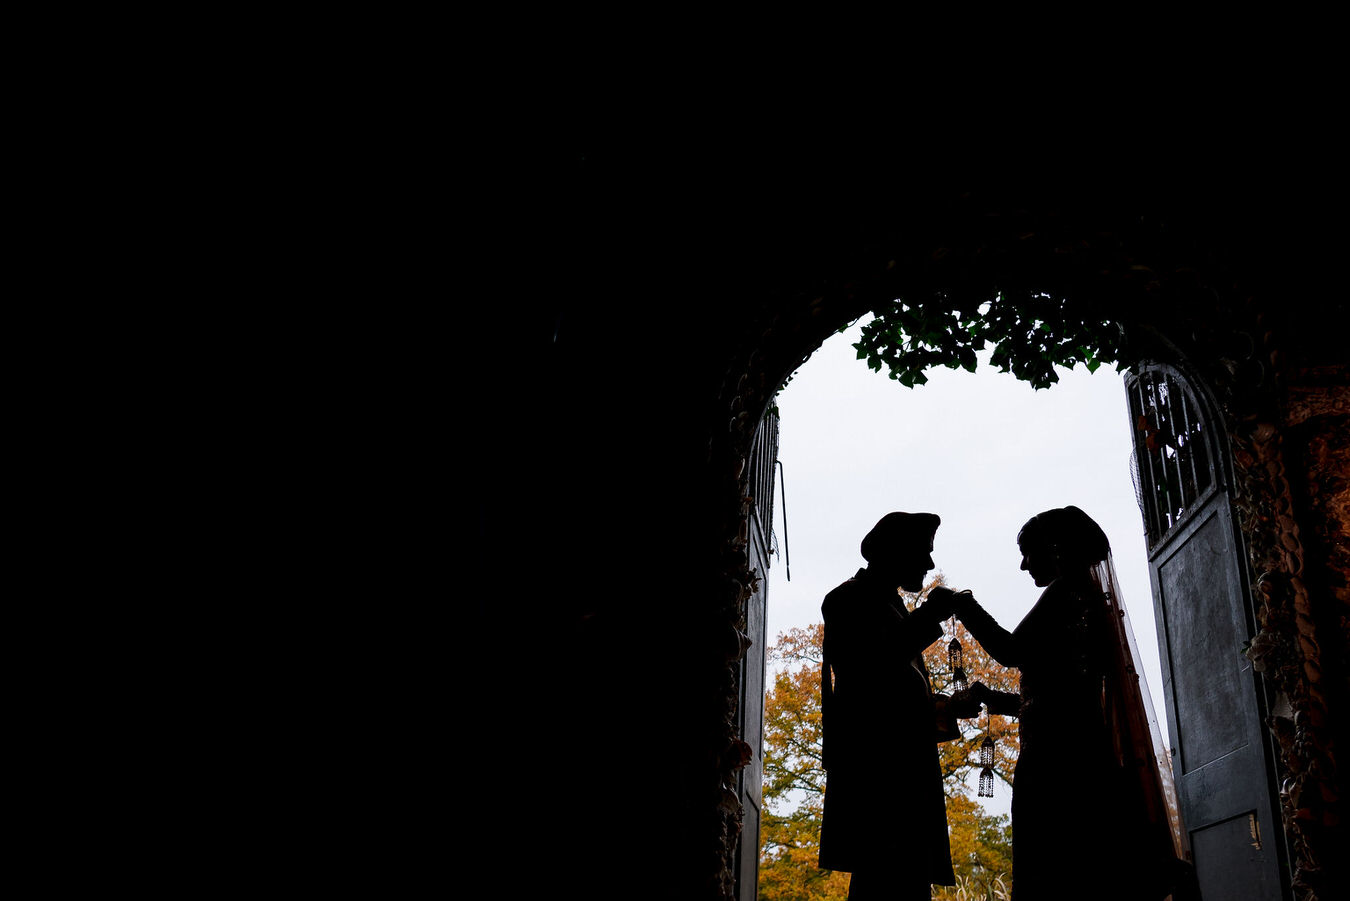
(1039, 563)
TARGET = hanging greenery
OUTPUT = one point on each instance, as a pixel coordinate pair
(1030, 333)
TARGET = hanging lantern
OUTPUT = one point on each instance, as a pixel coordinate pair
(987, 761)
(954, 655)
(954, 662)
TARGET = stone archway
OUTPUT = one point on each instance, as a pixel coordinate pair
(1166, 296)
(675, 291)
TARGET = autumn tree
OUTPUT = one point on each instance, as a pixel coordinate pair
(794, 779)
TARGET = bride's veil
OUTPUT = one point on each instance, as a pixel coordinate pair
(1134, 723)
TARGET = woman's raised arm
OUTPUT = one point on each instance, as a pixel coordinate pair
(995, 639)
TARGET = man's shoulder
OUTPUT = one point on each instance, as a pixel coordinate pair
(843, 592)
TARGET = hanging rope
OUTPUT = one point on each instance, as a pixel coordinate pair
(782, 491)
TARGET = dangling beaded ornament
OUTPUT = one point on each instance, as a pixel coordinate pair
(986, 783)
(959, 679)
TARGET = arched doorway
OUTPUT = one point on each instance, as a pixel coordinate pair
(983, 449)
(1199, 511)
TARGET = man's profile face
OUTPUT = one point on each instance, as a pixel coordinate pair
(907, 563)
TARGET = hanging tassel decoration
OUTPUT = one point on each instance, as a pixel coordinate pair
(986, 783)
(959, 679)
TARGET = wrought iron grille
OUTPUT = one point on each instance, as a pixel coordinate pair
(1172, 465)
(763, 455)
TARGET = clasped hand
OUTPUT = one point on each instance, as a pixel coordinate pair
(946, 601)
(966, 704)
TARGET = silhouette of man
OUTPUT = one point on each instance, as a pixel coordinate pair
(885, 817)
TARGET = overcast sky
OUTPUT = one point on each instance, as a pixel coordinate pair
(982, 450)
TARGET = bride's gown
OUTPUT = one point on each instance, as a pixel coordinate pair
(1078, 819)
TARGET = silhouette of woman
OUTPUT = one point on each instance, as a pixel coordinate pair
(1090, 811)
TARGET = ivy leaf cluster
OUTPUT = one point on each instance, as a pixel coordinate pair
(1031, 333)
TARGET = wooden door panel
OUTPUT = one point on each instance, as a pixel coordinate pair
(1232, 861)
(750, 778)
(1206, 642)
(1222, 760)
